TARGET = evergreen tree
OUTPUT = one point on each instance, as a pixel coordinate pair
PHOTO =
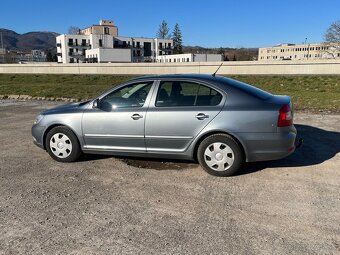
(163, 31)
(221, 51)
(49, 57)
(234, 58)
(177, 38)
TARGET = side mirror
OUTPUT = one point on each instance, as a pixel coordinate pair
(95, 103)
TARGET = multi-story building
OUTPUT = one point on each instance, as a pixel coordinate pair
(101, 43)
(189, 57)
(288, 51)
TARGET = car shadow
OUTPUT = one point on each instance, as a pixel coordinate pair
(318, 146)
(93, 157)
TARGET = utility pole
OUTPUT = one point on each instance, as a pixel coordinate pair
(307, 48)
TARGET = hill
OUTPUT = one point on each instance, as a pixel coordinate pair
(28, 41)
(240, 54)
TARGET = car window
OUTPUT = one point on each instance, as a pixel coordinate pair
(259, 93)
(178, 93)
(130, 96)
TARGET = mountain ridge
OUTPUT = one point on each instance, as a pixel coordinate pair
(35, 40)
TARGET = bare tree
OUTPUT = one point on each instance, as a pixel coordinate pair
(333, 33)
(72, 30)
(163, 31)
(332, 40)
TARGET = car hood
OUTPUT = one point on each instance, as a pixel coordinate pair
(66, 108)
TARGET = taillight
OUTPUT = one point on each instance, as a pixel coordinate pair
(285, 116)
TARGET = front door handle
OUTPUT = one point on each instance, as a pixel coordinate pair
(136, 116)
(201, 116)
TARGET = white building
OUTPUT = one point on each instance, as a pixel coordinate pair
(101, 43)
(189, 57)
(38, 55)
(287, 51)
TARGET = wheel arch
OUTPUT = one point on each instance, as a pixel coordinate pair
(203, 136)
(47, 130)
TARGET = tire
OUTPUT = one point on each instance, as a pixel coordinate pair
(220, 155)
(62, 144)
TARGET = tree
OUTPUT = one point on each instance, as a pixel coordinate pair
(163, 31)
(221, 51)
(332, 39)
(49, 57)
(72, 30)
(234, 58)
(177, 38)
(333, 33)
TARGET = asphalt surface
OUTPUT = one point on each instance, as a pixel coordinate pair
(107, 205)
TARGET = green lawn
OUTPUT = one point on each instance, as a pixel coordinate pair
(313, 92)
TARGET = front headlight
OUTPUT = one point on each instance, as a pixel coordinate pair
(38, 119)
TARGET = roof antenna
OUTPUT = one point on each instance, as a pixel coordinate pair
(214, 74)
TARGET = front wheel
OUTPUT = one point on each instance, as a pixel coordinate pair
(220, 155)
(62, 144)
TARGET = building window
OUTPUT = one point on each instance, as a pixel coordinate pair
(100, 43)
(106, 31)
(187, 59)
(70, 42)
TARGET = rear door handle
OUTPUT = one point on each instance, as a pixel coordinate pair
(136, 116)
(201, 116)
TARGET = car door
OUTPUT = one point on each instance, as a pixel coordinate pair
(178, 112)
(117, 120)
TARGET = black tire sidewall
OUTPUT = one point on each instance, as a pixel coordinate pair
(75, 153)
(228, 140)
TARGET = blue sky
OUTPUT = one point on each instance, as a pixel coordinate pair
(213, 23)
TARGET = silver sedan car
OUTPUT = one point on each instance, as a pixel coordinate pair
(219, 122)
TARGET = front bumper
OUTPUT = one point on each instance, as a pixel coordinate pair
(38, 135)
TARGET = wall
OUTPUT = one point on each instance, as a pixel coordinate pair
(229, 67)
(110, 55)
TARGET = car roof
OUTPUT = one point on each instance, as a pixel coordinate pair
(205, 77)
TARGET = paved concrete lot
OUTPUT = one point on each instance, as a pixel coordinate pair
(106, 205)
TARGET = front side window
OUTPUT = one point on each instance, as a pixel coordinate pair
(180, 93)
(130, 96)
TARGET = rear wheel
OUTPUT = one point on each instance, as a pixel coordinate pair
(220, 155)
(62, 144)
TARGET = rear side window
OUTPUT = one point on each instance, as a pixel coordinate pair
(178, 93)
(259, 93)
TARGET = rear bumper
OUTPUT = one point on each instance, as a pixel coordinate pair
(269, 146)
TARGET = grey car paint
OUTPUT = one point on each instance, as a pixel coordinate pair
(175, 132)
